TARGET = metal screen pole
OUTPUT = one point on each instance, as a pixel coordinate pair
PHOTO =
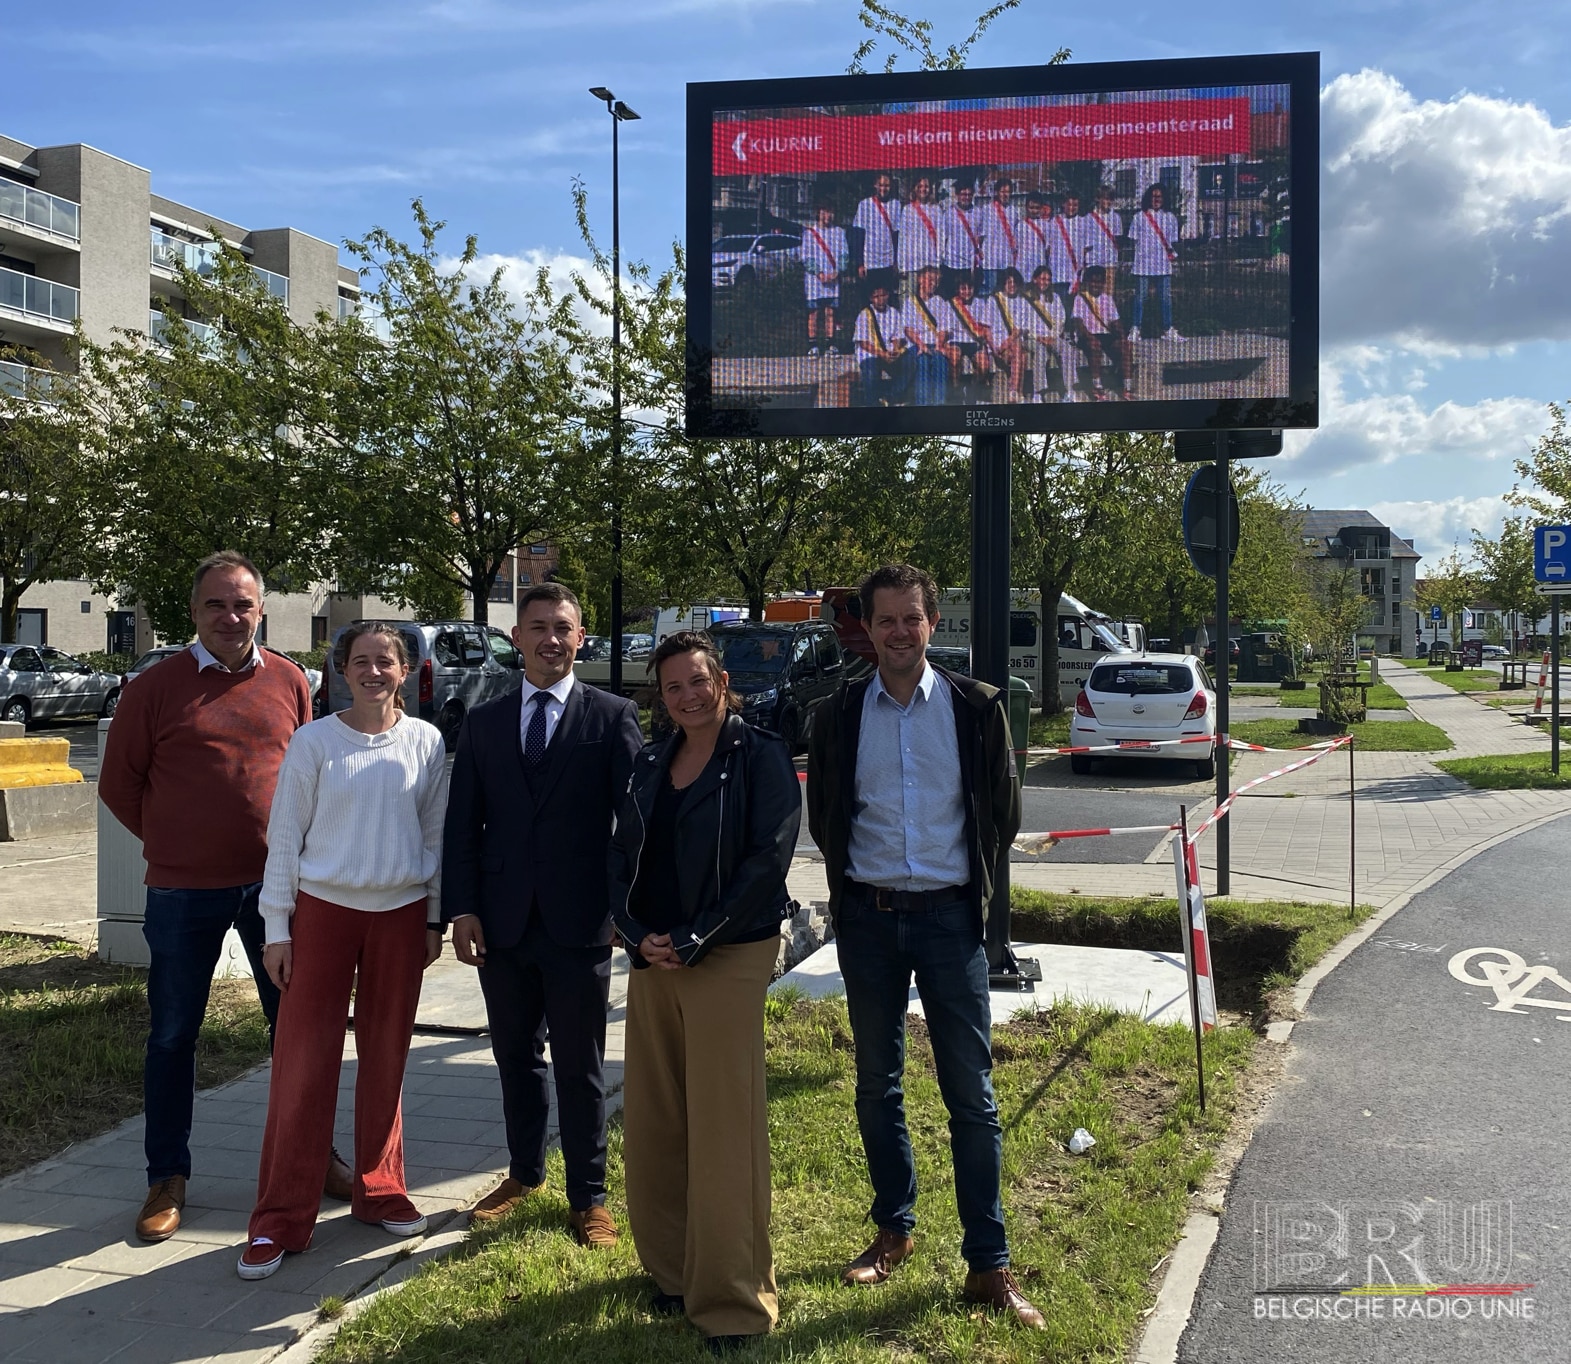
(990, 646)
(1224, 546)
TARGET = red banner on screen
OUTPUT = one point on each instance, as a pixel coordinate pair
(969, 137)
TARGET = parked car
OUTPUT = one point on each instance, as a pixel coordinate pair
(159, 653)
(783, 670)
(458, 665)
(41, 683)
(746, 260)
(1496, 651)
(1144, 699)
(949, 658)
(1233, 653)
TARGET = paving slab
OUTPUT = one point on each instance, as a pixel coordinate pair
(1152, 985)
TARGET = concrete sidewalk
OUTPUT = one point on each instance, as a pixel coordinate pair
(76, 1286)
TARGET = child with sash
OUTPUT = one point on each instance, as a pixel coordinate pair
(920, 234)
(1154, 232)
(825, 257)
(928, 322)
(1100, 335)
(971, 343)
(1104, 227)
(880, 350)
(1028, 330)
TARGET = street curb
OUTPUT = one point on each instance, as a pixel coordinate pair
(1175, 1300)
(1159, 1343)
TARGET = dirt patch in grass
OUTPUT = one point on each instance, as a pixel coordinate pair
(73, 1033)
(1260, 948)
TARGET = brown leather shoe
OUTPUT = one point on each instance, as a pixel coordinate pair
(501, 1200)
(878, 1261)
(160, 1215)
(593, 1227)
(340, 1181)
(996, 1288)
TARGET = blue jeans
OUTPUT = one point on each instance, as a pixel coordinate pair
(884, 379)
(931, 373)
(880, 950)
(1164, 295)
(185, 934)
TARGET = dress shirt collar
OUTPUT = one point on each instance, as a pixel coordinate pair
(924, 687)
(560, 689)
(205, 659)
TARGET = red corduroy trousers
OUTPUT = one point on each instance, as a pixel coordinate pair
(330, 944)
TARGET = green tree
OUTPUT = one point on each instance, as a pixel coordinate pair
(1452, 586)
(1547, 472)
(1505, 570)
(1066, 488)
(51, 486)
(217, 434)
(465, 416)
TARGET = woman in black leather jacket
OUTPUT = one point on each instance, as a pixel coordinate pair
(704, 837)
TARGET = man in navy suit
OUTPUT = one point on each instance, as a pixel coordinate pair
(535, 783)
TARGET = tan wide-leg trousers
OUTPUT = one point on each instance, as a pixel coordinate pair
(696, 1136)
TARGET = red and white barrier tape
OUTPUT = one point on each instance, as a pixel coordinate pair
(1320, 751)
(1124, 746)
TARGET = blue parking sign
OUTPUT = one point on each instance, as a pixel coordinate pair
(1436, 615)
(1552, 554)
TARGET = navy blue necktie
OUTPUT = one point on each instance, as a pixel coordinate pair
(534, 739)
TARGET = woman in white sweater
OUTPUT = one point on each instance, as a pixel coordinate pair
(354, 846)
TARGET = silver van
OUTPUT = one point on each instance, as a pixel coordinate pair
(457, 665)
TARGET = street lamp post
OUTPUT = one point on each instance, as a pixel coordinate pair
(620, 113)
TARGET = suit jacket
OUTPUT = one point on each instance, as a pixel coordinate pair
(514, 837)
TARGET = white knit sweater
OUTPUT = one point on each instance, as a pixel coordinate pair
(357, 820)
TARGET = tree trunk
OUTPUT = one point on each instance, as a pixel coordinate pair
(1052, 698)
(10, 614)
(482, 576)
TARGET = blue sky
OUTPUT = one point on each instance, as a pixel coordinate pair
(1447, 129)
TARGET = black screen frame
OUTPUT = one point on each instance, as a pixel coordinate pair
(1300, 71)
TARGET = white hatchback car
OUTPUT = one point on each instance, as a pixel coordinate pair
(1137, 700)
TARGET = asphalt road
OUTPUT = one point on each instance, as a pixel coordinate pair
(1418, 1137)
(83, 736)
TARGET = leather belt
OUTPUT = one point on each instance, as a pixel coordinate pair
(908, 901)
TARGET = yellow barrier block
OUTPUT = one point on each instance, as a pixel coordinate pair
(36, 762)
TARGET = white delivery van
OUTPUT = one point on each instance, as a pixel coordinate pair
(1084, 636)
(670, 619)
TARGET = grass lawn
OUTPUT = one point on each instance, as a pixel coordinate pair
(1049, 731)
(1511, 771)
(1259, 947)
(1468, 680)
(1085, 1232)
(72, 1035)
(1372, 736)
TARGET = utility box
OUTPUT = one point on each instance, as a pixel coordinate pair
(122, 894)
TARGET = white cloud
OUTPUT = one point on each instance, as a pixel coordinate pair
(1444, 223)
(1435, 528)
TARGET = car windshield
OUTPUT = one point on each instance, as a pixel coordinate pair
(754, 653)
(733, 244)
(151, 657)
(1108, 640)
(1143, 679)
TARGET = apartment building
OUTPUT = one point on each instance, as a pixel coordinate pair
(1386, 565)
(83, 238)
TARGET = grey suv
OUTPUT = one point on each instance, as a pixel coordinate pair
(458, 665)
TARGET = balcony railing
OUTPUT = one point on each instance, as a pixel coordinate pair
(158, 327)
(38, 297)
(275, 284)
(169, 253)
(27, 381)
(47, 212)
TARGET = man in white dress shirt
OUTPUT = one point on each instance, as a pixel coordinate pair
(921, 233)
(1001, 244)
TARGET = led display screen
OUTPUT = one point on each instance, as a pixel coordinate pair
(1129, 246)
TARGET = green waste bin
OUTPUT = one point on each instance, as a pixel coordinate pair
(1020, 718)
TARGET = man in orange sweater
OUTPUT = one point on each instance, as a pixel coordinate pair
(189, 768)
